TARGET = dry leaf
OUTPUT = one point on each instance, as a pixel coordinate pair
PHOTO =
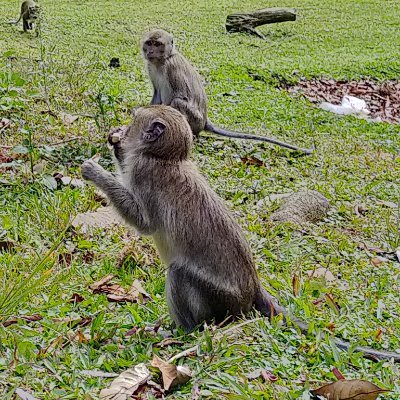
(117, 293)
(378, 260)
(268, 376)
(360, 209)
(103, 217)
(27, 318)
(296, 285)
(5, 123)
(338, 374)
(68, 119)
(73, 182)
(355, 389)
(76, 298)
(322, 272)
(126, 384)
(172, 375)
(22, 394)
(95, 286)
(7, 245)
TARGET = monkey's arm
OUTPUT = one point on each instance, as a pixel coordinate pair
(126, 203)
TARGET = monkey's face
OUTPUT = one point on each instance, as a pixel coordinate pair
(160, 132)
(33, 12)
(157, 46)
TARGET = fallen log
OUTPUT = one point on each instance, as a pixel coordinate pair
(247, 22)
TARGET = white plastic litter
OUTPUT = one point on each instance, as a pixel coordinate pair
(350, 105)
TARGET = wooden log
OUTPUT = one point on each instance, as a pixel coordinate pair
(247, 22)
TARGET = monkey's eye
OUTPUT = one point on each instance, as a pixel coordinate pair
(157, 44)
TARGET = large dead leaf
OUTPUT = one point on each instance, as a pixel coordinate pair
(126, 384)
(322, 272)
(172, 375)
(354, 389)
(27, 318)
(24, 395)
(117, 293)
(68, 119)
(103, 217)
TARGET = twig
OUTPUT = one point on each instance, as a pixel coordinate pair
(186, 352)
(3, 146)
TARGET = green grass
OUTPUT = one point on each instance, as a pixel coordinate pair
(65, 69)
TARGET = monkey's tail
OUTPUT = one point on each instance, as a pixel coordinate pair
(268, 306)
(238, 135)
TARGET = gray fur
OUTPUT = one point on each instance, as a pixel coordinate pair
(177, 84)
(161, 193)
(211, 272)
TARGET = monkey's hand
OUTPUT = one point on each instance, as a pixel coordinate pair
(91, 171)
(116, 135)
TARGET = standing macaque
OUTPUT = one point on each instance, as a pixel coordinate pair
(177, 84)
(29, 14)
(211, 271)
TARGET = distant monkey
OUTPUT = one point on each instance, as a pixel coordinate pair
(29, 14)
(211, 272)
(177, 84)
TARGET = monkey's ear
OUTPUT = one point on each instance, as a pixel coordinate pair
(154, 131)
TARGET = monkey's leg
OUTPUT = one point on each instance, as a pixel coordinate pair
(123, 200)
(194, 117)
(181, 295)
(25, 25)
(156, 98)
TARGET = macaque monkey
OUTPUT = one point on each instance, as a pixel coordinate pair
(211, 272)
(29, 14)
(177, 84)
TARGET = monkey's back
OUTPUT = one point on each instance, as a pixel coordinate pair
(198, 229)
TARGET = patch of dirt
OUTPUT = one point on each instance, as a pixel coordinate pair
(383, 99)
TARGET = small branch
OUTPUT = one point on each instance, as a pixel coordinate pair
(72, 139)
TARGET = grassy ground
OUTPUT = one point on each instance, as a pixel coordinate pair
(65, 70)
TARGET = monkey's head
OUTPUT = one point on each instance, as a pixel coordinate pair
(160, 132)
(157, 45)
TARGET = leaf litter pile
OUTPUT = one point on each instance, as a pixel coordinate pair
(383, 99)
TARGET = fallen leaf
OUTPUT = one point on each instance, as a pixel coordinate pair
(68, 119)
(27, 318)
(5, 123)
(7, 245)
(172, 375)
(22, 394)
(268, 376)
(354, 389)
(126, 384)
(117, 293)
(322, 272)
(296, 285)
(168, 342)
(252, 161)
(73, 182)
(76, 298)
(49, 182)
(101, 282)
(360, 209)
(338, 374)
(103, 217)
(378, 260)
